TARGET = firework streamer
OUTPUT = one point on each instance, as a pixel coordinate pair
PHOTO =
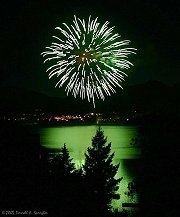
(88, 59)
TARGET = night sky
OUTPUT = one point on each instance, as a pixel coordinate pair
(27, 27)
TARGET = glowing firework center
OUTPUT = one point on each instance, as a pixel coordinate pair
(88, 59)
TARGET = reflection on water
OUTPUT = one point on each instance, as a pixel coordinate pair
(78, 138)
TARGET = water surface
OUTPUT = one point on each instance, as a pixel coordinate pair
(78, 139)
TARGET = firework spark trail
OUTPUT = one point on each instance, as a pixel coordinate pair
(88, 58)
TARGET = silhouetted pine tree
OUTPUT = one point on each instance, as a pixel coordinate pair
(100, 174)
(61, 164)
(61, 178)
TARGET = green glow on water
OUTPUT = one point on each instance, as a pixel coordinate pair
(78, 138)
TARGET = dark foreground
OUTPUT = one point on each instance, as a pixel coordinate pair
(28, 185)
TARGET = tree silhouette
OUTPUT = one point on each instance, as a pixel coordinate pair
(100, 173)
(62, 165)
(61, 169)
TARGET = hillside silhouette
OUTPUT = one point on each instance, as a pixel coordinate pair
(152, 96)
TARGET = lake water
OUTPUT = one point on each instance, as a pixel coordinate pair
(78, 139)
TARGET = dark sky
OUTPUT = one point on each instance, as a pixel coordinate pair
(27, 27)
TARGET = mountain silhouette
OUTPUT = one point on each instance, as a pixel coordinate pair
(148, 97)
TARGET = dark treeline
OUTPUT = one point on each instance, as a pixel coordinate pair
(30, 180)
